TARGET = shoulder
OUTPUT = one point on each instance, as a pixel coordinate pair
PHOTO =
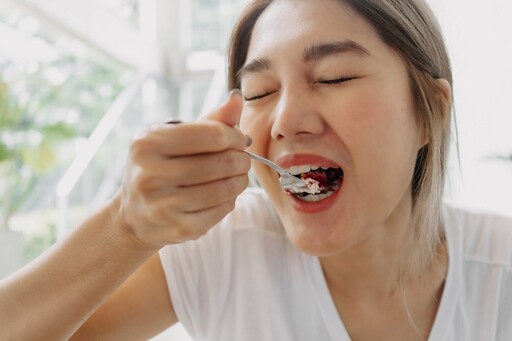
(485, 237)
(253, 211)
(479, 280)
(253, 219)
(204, 275)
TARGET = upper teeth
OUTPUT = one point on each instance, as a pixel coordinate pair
(296, 170)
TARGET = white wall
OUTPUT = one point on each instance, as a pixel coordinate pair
(478, 38)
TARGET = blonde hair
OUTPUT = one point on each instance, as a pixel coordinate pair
(411, 29)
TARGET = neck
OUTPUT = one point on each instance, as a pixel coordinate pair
(365, 288)
(370, 267)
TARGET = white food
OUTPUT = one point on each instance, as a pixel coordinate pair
(312, 187)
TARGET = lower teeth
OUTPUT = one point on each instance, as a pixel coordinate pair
(315, 197)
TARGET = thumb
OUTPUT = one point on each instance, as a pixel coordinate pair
(229, 112)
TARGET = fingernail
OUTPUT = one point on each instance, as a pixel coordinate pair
(248, 140)
(235, 91)
(173, 122)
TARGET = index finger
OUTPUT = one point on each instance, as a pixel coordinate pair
(201, 137)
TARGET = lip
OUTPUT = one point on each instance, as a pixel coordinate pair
(314, 207)
(286, 161)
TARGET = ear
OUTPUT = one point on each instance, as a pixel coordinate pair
(445, 97)
(445, 90)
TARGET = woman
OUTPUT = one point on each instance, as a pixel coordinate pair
(354, 94)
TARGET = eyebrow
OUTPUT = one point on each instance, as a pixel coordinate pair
(311, 53)
(254, 66)
(320, 51)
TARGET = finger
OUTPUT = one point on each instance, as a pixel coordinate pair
(229, 113)
(188, 226)
(213, 194)
(188, 138)
(195, 169)
(211, 215)
(197, 198)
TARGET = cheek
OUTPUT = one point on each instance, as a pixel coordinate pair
(258, 127)
(246, 121)
(249, 122)
(378, 117)
(382, 137)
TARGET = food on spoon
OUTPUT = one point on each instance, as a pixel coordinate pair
(320, 182)
(312, 187)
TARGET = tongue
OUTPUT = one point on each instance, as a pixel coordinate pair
(319, 176)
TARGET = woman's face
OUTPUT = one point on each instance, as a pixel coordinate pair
(322, 90)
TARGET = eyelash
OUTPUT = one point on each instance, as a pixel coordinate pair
(335, 81)
(256, 97)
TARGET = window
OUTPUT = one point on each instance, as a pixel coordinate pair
(54, 89)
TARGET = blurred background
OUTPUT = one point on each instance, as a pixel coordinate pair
(79, 78)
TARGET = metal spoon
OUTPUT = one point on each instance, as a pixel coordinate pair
(288, 182)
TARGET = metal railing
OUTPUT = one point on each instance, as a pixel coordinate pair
(81, 166)
(95, 173)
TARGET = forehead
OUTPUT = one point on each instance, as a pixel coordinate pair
(304, 22)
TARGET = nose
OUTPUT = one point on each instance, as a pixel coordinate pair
(296, 116)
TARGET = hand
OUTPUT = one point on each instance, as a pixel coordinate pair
(183, 179)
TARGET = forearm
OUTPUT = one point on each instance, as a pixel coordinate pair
(180, 180)
(53, 296)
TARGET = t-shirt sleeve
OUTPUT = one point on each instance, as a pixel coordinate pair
(501, 253)
(505, 309)
(197, 273)
(505, 304)
(200, 273)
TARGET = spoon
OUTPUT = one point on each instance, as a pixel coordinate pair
(287, 181)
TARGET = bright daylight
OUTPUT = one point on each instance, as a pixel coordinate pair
(107, 209)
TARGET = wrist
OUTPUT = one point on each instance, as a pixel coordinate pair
(122, 233)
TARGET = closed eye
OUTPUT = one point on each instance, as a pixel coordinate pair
(336, 80)
(260, 96)
(320, 81)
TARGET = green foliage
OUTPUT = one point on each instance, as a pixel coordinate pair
(4, 152)
(26, 141)
(501, 157)
(41, 106)
(35, 244)
(27, 150)
(58, 131)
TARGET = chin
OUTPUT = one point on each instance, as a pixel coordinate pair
(317, 240)
(315, 248)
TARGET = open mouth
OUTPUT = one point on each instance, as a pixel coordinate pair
(322, 182)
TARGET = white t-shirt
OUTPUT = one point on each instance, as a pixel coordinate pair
(245, 281)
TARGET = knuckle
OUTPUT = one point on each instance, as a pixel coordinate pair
(244, 182)
(181, 234)
(245, 163)
(238, 162)
(234, 186)
(217, 135)
(230, 160)
(228, 206)
(184, 233)
(139, 146)
(152, 213)
(145, 140)
(141, 184)
(159, 215)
